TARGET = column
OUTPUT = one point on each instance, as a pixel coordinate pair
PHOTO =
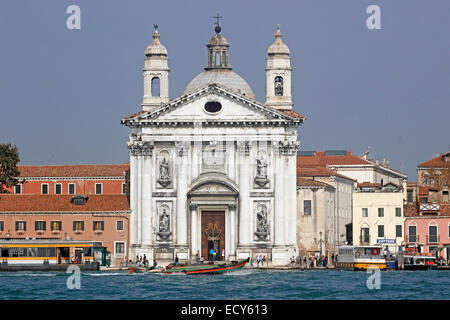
(279, 197)
(133, 196)
(231, 160)
(194, 229)
(182, 193)
(139, 197)
(244, 187)
(146, 227)
(233, 240)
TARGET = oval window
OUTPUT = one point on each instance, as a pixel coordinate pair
(213, 106)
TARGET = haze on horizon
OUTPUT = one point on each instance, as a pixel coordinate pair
(63, 92)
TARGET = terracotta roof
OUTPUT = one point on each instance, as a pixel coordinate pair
(366, 184)
(319, 172)
(438, 162)
(293, 114)
(322, 160)
(80, 170)
(62, 203)
(134, 115)
(412, 210)
(302, 182)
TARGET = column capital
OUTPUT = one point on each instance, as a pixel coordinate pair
(193, 206)
(141, 148)
(232, 206)
(182, 147)
(285, 148)
(243, 148)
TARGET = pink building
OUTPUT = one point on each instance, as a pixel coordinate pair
(100, 218)
(72, 179)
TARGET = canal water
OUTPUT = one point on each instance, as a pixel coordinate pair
(243, 284)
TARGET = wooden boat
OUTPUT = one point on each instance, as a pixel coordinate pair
(209, 268)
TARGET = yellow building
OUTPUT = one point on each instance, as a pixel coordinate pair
(378, 215)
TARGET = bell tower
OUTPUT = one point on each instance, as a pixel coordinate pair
(156, 74)
(278, 75)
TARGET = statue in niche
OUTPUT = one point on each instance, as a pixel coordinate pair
(261, 172)
(262, 168)
(164, 169)
(261, 223)
(164, 173)
(164, 224)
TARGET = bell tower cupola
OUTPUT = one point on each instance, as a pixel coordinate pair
(218, 50)
(278, 75)
(156, 74)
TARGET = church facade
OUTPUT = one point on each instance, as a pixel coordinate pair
(214, 168)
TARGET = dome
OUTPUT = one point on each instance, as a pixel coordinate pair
(226, 78)
(218, 40)
(278, 47)
(155, 48)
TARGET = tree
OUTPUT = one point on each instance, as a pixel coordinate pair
(9, 158)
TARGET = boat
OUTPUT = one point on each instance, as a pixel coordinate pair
(419, 261)
(205, 268)
(46, 255)
(360, 257)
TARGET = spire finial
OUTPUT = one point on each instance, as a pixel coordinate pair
(217, 28)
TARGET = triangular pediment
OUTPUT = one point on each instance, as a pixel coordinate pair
(192, 107)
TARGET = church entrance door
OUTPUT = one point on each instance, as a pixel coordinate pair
(213, 234)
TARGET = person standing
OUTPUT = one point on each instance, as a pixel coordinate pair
(197, 257)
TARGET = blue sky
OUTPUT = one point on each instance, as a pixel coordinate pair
(63, 92)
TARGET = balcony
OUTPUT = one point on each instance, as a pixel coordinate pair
(432, 239)
(412, 239)
(429, 207)
(364, 239)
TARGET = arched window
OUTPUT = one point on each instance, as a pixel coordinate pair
(155, 87)
(278, 86)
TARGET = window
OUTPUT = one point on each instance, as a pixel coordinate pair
(56, 225)
(155, 87)
(44, 188)
(224, 57)
(119, 248)
(432, 234)
(364, 235)
(398, 231)
(213, 106)
(412, 234)
(1, 226)
(306, 207)
(119, 225)
(398, 212)
(18, 188)
(78, 225)
(381, 231)
(58, 188)
(21, 226)
(365, 212)
(124, 188)
(39, 225)
(410, 196)
(98, 188)
(448, 229)
(71, 188)
(381, 212)
(278, 86)
(99, 225)
(217, 58)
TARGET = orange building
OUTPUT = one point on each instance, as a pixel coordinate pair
(100, 218)
(72, 179)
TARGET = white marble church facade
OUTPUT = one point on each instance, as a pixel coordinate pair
(214, 168)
